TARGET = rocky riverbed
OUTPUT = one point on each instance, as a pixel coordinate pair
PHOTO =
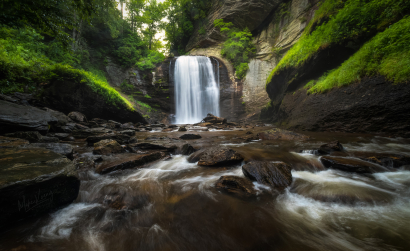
(75, 183)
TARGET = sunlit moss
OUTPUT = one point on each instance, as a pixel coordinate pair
(347, 20)
(387, 54)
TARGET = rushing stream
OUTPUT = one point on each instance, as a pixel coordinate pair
(196, 89)
(178, 208)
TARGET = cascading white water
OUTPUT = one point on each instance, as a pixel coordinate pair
(196, 89)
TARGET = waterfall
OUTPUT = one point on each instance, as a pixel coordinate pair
(196, 89)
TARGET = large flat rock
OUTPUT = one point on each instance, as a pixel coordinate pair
(15, 117)
(34, 181)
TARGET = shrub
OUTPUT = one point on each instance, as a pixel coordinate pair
(149, 62)
(238, 48)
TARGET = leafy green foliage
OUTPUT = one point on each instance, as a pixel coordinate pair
(24, 64)
(387, 54)
(49, 17)
(349, 19)
(238, 48)
(150, 61)
(131, 49)
(181, 15)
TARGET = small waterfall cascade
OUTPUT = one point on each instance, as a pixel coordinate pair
(196, 89)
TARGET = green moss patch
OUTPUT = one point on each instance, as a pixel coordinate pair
(387, 54)
(347, 20)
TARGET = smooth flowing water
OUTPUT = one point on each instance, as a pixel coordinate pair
(196, 89)
(178, 207)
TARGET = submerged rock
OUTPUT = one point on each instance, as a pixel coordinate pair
(6, 142)
(274, 174)
(351, 165)
(216, 156)
(328, 148)
(149, 146)
(15, 117)
(107, 147)
(127, 161)
(384, 159)
(280, 134)
(34, 181)
(190, 136)
(236, 185)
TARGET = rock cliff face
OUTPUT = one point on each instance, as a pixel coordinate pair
(150, 87)
(274, 36)
(231, 11)
(372, 106)
(276, 28)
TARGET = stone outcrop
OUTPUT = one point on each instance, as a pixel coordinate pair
(215, 157)
(15, 117)
(374, 105)
(237, 186)
(274, 174)
(34, 181)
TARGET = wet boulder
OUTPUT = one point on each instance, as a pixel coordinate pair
(127, 161)
(351, 165)
(120, 138)
(77, 117)
(210, 118)
(107, 147)
(384, 159)
(328, 148)
(6, 142)
(15, 117)
(190, 136)
(60, 148)
(187, 149)
(274, 174)
(182, 129)
(216, 156)
(280, 134)
(33, 182)
(237, 186)
(33, 137)
(149, 146)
